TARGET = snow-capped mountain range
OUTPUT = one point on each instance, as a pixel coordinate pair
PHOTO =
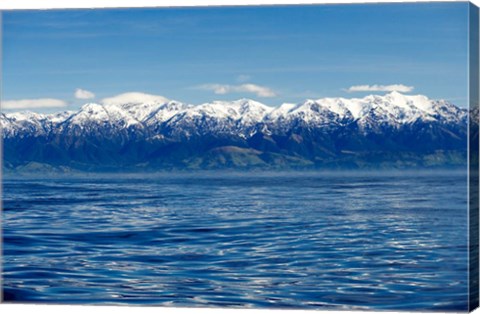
(169, 133)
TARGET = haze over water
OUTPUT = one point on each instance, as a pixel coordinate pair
(285, 240)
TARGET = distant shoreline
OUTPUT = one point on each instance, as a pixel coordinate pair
(239, 172)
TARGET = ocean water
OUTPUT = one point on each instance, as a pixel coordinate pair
(391, 241)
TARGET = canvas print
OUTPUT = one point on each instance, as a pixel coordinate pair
(297, 157)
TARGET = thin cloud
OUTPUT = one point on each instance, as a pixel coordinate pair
(380, 88)
(243, 78)
(83, 94)
(133, 97)
(33, 103)
(222, 89)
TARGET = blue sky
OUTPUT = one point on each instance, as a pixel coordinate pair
(270, 54)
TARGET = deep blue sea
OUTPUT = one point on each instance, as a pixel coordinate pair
(390, 241)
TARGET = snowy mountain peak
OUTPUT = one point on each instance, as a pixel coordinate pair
(25, 116)
(164, 112)
(91, 106)
(90, 111)
(238, 109)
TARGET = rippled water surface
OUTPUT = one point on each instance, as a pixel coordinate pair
(284, 240)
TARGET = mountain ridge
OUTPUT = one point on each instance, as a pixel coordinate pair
(164, 134)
